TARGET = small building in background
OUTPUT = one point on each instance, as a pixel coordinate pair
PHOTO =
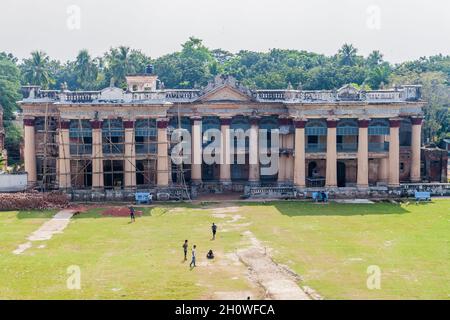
(434, 166)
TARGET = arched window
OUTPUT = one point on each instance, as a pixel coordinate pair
(347, 127)
(378, 127)
(346, 135)
(315, 131)
(316, 128)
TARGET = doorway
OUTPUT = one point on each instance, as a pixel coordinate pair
(341, 180)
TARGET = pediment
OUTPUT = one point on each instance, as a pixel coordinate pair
(348, 92)
(224, 93)
(111, 94)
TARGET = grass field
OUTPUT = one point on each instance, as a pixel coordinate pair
(330, 246)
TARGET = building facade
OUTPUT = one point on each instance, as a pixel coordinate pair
(122, 140)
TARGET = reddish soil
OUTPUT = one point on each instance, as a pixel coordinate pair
(120, 212)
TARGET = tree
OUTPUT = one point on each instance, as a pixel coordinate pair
(192, 67)
(13, 139)
(122, 61)
(437, 96)
(36, 70)
(9, 85)
(374, 59)
(347, 54)
(86, 71)
(378, 75)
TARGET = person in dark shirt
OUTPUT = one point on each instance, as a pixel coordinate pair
(185, 249)
(214, 230)
(133, 219)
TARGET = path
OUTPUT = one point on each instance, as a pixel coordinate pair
(278, 282)
(55, 225)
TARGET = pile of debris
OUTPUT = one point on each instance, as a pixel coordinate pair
(33, 201)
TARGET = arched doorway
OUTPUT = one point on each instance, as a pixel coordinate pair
(312, 169)
(341, 180)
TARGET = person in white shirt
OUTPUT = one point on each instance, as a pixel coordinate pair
(192, 264)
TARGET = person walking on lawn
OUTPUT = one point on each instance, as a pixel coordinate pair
(192, 264)
(185, 249)
(133, 219)
(214, 230)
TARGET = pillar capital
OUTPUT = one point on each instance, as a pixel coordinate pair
(162, 123)
(416, 121)
(96, 124)
(195, 119)
(64, 124)
(331, 123)
(254, 121)
(225, 121)
(363, 123)
(394, 123)
(284, 121)
(128, 124)
(29, 122)
(299, 123)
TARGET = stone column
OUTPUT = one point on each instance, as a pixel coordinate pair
(253, 176)
(299, 164)
(363, 155)
(331, 174)
(282, 169)
(30, 151)
(197, 158)
(394, 153)
(383, 170)
(289, 157)
(162, 162)
(225, 154)
(64, 177)
(97, 155)
(415, 149)
(130, 155)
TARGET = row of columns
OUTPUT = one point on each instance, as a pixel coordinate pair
(388, 170)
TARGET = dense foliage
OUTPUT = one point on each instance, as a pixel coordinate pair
(195, 64)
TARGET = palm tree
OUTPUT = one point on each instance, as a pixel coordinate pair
(375, 58)
(347, 54)
(86, 70)
(119, 63)
(378, 76)
(36, 70)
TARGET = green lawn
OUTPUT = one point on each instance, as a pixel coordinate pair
(330, 246)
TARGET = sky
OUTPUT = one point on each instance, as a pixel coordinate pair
(401, 29)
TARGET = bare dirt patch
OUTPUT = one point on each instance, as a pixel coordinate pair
(120, 212)
(277, 282)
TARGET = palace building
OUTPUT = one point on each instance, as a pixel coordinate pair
(110, 143)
